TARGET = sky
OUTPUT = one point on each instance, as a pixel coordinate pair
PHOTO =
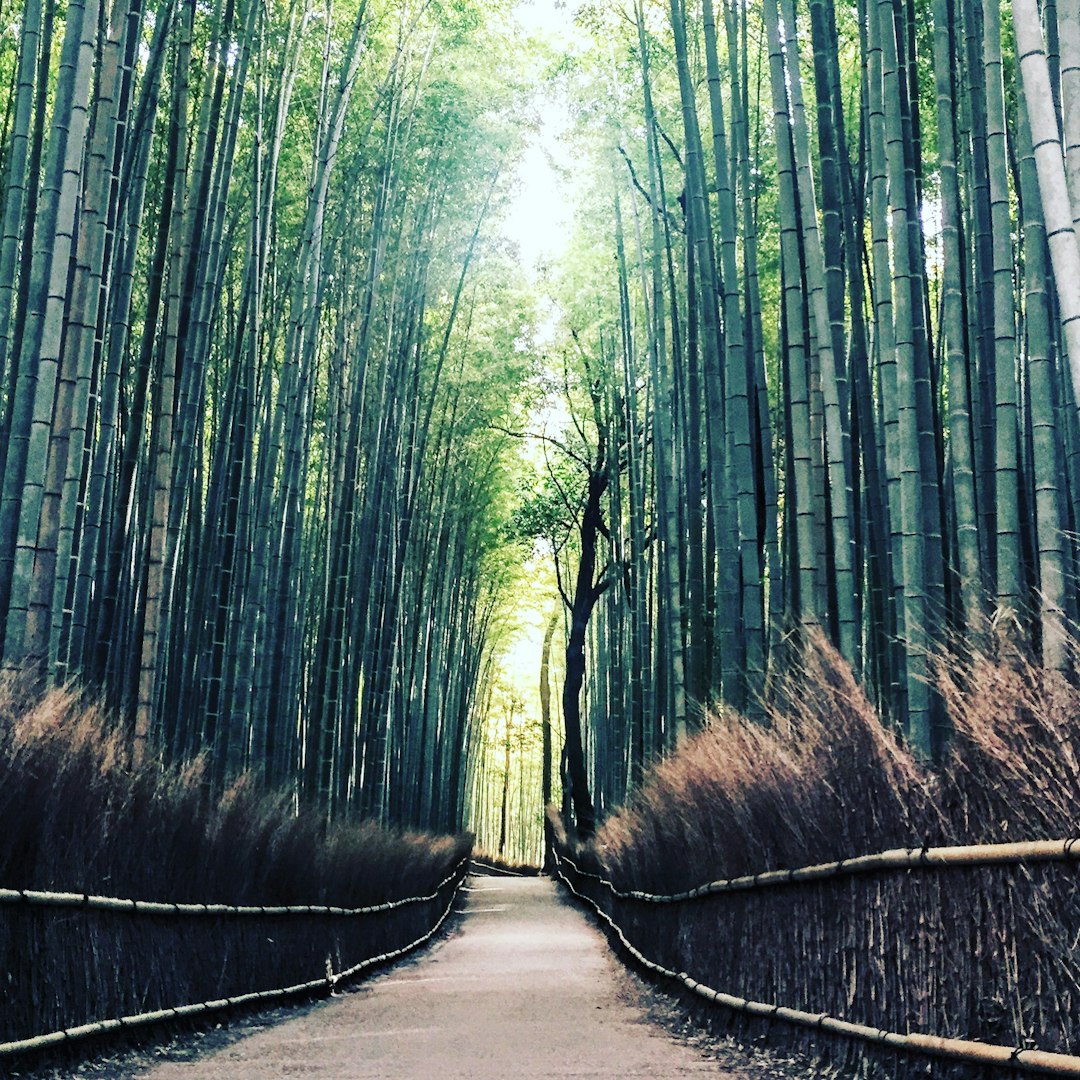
(539, 219)
(539, 216)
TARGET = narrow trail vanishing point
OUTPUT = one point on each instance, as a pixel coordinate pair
(524, 986)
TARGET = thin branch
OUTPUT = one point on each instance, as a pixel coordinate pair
(566, 391)
(597, 404)
(559, 584)
(672, 223)
(540, 438)
(634, 179)
(571, 508)
(671, 146)
(610, 575)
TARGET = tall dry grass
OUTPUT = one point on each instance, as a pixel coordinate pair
(74, 816)
(980, 953)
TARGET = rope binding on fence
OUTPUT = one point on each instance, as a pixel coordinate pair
(1016, 1057)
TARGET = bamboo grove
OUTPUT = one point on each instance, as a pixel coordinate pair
(824, 305)
(252, 340)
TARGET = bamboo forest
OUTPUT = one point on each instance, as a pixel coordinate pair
(292, 433)
(295, 438)
(638, 432)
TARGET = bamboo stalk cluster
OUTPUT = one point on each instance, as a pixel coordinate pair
(838, 344)
(247, 366)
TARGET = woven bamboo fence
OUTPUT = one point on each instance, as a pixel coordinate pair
(968, 954)
(140, 962)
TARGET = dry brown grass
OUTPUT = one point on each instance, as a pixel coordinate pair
(824, 780)
(76, 817)
(484, 861)
(978, 953)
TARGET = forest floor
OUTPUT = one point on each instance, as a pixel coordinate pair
(523, 985)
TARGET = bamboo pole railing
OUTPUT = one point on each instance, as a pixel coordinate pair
(92, 902)
(1034, 851)
(499, 869)
(1022, 1058)
(328, 981)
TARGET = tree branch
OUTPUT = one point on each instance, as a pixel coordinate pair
(569, 404)
(559, 585)
(608, 578)
(672, 222)
(571, 508)
(540, 438)
(671, 146)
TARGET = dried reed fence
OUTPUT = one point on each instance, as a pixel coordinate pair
(934, 942)
(592, 888)
(296, 906)
(212, 932)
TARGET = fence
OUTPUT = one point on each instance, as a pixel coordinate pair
(137, 955)
(506, 871)
(682, 936)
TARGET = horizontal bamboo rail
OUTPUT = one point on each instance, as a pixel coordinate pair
(499, 869)
(894, 859)
(91, 902)
(329, 981)
(966, 1050)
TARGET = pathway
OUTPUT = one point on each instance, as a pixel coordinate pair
(524, 987)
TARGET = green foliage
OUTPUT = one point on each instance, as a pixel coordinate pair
(542, 514)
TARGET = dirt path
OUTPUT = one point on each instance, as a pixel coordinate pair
(524, 987)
